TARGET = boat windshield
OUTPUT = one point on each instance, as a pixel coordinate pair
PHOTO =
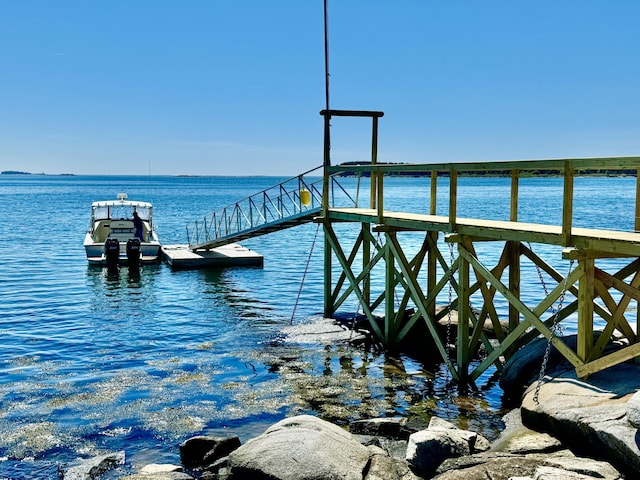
(106, 211)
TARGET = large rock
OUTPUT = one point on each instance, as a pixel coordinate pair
(383, 467)
(427, 449)
(633, 410)
(393, 427)
(301, 448)
(518, 439)
(523, 368)
(590, 417)
(505, 466)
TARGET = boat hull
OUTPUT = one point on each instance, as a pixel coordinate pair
(149, 252)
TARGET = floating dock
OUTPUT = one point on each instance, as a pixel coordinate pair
(230, 255)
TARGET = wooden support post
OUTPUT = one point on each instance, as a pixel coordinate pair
(637, 222)
(328, 297)
(514, 281)
(326, 163)
(586, 288)
(434, 191)
(637, 228)
(462, 343)
(567, 204)
(366, 258)
(513, 213)
(374, 140)
(380, 198)
(374, 160)
(453, 193)
(432, 272)
(389, 311)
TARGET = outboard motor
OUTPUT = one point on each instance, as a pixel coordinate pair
(133, 252)
(112, 252)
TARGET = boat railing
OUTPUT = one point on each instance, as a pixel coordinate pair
(292, 201)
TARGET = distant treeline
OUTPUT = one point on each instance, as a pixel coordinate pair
(604, 172)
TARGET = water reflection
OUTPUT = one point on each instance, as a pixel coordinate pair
(342, 383)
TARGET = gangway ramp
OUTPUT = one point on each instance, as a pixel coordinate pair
(294, 202)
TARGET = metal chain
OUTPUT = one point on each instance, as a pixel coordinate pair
(544, 287)
(448, 336)
(448, 330)
(555, 331)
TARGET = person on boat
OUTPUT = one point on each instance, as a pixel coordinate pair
(137, 223)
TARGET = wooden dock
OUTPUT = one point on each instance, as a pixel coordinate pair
(602, 283)
(231, 255)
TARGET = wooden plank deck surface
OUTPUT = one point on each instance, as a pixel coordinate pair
(609, 241)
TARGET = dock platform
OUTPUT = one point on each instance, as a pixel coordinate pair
(231, 255)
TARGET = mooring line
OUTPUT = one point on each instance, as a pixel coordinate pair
(304, 275)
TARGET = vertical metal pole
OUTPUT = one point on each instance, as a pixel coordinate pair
(326, 54)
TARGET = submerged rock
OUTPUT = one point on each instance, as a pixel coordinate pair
(92, 468)
(201, 451)
(323, 331)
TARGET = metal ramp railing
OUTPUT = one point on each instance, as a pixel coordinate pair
(293, 202)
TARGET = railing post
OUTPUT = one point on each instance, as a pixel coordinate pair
(453, 193)
(567, 204)
(637, 222)
(380, 202)
(327, 162)
(434, 192)
(513, 213)
(374, 160)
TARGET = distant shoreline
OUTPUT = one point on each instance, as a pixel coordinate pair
(631, 172)
(17, 172)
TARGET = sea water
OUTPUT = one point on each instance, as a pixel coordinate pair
(92, 362)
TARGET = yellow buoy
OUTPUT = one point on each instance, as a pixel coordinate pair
(305, 197)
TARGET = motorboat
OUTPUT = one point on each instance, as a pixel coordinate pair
(121, 232)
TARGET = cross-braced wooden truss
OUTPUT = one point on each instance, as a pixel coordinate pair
(492, 316)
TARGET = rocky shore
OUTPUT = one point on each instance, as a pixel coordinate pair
(562, 428)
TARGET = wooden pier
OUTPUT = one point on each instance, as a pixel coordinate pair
(419, 279)
(446, 277)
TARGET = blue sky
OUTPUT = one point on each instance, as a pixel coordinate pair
(208, 87)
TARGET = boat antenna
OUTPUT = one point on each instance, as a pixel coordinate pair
(326, 56)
